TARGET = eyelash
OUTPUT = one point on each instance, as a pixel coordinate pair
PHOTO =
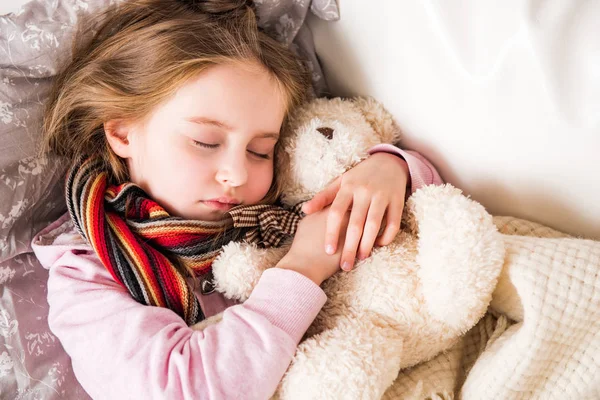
(206, 145)
(214, 146)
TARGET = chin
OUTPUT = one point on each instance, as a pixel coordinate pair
(211, 217)
(202, 216)
(204, 213)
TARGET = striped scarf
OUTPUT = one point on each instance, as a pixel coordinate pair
(140, 244)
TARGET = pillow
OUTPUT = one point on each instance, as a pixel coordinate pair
(34, 41)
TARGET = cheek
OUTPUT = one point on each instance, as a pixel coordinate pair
(181, 173)
(261, 179)
(192, 172)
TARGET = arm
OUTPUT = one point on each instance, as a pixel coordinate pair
(421, 171)
(121, 349)
(375, 190)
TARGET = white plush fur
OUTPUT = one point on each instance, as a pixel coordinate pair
(309, 161)
(404, 304)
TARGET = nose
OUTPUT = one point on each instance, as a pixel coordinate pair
(232, 171)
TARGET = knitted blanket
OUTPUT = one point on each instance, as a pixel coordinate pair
(541, 336)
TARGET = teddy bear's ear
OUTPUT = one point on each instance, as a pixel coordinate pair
(380, 119)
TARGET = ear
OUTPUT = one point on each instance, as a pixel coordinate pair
(118, 134)
(380, 119)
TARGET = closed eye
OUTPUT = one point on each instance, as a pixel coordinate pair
(214, 146)
(260, 155)
(206, 145)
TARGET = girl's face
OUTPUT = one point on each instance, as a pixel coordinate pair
(210, 146)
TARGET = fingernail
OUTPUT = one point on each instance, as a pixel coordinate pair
(329, 249)
(346, 266)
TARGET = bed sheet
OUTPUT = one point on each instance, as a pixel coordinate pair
(503, 97)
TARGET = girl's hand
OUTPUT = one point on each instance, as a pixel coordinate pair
(374, 190)
(307, 255)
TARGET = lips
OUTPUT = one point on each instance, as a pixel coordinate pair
(222, 203)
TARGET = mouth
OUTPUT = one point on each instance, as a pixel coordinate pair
(222, 204)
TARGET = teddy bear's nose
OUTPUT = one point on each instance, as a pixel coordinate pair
(327, 132)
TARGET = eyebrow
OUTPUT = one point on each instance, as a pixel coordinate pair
(223, 125)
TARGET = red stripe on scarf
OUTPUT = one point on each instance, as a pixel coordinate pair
(136, 252)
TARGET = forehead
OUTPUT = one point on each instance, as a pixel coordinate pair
(236, 94)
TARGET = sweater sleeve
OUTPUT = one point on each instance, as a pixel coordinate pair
(121, 349)
(421, 171)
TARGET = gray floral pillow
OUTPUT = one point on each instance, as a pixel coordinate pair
(34, 42)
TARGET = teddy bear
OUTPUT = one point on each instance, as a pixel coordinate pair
(405, 303)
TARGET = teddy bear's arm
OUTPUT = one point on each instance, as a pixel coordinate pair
(239, 266)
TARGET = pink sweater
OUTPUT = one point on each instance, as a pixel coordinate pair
(121, 349)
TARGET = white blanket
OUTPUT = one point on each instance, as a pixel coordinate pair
(541, 336)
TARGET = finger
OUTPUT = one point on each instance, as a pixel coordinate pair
(358, 216)
(392, 223)
(335, 217)
(372, 225)
(322, 199)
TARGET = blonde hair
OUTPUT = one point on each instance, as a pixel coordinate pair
(141, 53)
